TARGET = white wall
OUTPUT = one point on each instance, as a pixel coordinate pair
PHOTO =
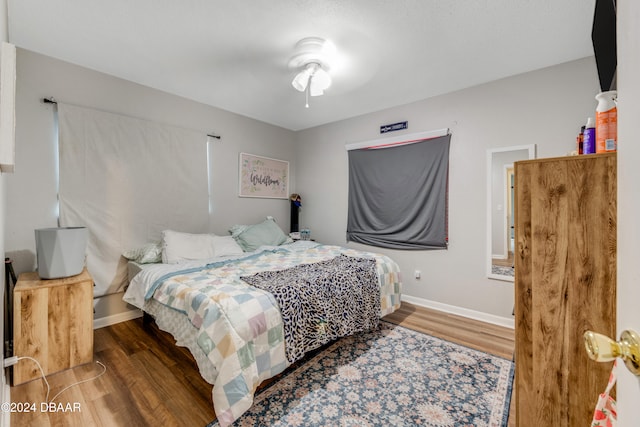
(628, 292)
(4, 390)
(545, 107)
(31, 190)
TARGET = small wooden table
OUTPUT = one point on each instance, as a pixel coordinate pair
(52, 323)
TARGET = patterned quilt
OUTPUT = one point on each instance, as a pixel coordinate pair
(240, 326)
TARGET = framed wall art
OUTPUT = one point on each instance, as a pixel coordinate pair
(263, 177)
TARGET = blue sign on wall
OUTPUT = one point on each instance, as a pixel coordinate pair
(394, 127)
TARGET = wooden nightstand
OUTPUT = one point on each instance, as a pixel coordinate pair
(53, 323)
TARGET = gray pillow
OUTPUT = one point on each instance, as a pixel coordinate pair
(147, 254)
(252, 237)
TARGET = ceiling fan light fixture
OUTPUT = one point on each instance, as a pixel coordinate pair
(312, 60)
(320, 81)
(301, 80)
(313, 77)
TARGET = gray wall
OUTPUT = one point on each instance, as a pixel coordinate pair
(545, 107)
(31, 190)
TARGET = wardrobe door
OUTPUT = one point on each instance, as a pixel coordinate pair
(565, 284)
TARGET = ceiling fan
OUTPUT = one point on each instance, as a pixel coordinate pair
(312, 61)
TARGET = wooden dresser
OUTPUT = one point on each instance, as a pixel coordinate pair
(52, 323)
(565, 284)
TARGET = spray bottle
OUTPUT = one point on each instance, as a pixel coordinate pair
(606, 122)
(589, 140)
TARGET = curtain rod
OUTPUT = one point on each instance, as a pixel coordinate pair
(53, 101)
(397, 140)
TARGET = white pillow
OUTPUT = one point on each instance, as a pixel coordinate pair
(179, 247)
(226, 245)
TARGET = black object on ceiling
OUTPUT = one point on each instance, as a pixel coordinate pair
(603, 36)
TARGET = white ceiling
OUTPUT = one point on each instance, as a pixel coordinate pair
(234, 54)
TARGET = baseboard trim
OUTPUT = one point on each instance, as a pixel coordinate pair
(452, 309)
(116, 318)
(461, 311)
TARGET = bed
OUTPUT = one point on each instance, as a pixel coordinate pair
(246, 317)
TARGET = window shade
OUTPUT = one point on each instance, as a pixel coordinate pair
(398, 195)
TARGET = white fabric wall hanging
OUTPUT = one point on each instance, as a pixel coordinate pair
(126, 180)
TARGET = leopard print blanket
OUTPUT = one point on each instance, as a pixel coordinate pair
(323, 301)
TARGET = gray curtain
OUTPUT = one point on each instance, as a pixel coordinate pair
(398, 195)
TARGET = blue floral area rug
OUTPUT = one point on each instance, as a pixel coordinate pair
(391, 376)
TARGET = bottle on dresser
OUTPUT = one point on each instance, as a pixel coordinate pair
(589, 139)
(606, 122)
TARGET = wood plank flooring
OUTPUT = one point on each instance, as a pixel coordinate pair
(150, 381)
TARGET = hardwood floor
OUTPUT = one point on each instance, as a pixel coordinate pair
(150, 381)
(504, 262)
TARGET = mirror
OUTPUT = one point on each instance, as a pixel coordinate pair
(500, 208)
